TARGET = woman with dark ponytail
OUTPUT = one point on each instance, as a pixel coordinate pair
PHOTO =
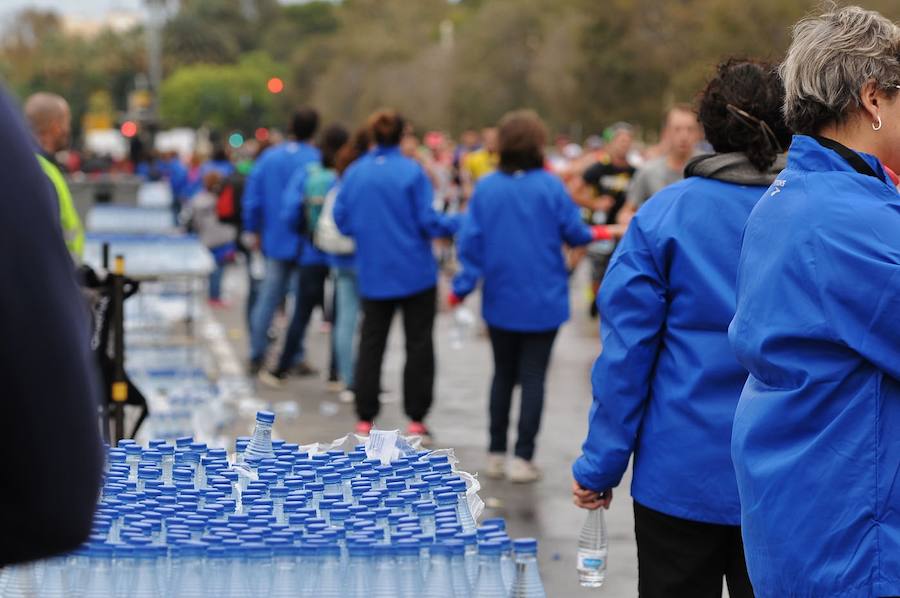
(385, 204)
(667, 383)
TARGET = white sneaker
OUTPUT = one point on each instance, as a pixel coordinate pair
(346, 396)
(270, 379)
(496, 466)
(523, 472)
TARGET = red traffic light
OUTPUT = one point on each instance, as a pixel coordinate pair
(275, 85)
(129, 128)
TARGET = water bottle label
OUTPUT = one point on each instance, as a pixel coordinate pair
(590, 562)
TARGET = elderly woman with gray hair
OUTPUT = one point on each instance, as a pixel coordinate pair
(816, 438)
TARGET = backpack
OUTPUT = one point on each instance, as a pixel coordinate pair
(318, 182)
(328, 238)
(228, 203)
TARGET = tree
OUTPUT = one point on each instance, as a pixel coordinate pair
(298, 26)
(223, 96)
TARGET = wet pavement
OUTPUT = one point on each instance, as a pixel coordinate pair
(459, 420)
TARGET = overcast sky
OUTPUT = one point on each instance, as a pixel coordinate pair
(81, 8)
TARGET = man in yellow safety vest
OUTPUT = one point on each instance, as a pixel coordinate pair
(50, 120)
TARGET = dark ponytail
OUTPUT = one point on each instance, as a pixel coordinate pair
(741, 111)
(387, 127)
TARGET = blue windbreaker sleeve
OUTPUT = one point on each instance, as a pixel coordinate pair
(470, 248)
(292, 199)
(341, 210)
(865, 313)
(633, 306)
(431, 223)
(572, 229)
(252, 201)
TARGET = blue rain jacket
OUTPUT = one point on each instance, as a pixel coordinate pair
(264, 192)
(385, 204)
(666, 383)
(512, 238)
(816, 441)
(177, 175)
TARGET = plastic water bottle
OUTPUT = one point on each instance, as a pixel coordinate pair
(462, 507)
(330, 581)
(409, 574)
(284, 567)
(592, 550)
(189, 574)
(168, 461)
(100, 583)
(528, 582)
(260, 446)
(237, 585)
(22, 581)
(440, 581)
(359, 570)
(461, 586)
(470, 539)
(385, 572)
(460, 330)
(507, 563)
(217, 569)
(146, 580)
(257, 265)
(53, 581)
(489, 583)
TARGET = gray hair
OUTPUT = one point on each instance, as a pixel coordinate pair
(830, 59)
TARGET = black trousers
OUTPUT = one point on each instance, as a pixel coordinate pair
(519, 358)
(311, 294)
(682, 558)
(418, 373)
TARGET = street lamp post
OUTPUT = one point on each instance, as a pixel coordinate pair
(155, 19)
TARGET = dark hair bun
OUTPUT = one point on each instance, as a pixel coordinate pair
(387, 127)
(741, 111)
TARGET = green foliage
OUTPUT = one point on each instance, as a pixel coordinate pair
(222, 96)
(36, 55)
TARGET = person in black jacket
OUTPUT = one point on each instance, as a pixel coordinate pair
(49, 433)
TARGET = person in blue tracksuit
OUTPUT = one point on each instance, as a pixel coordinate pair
(176, 173)
(264, 226)
(385, 204)
(666, 383)
(304, 197)
(518, 220)
(816, 439)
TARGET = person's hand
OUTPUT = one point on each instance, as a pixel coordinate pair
(588, 499)
(617, 231)
(250, 240)
(453, 300)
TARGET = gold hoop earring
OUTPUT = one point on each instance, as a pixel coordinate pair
(877, 127)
